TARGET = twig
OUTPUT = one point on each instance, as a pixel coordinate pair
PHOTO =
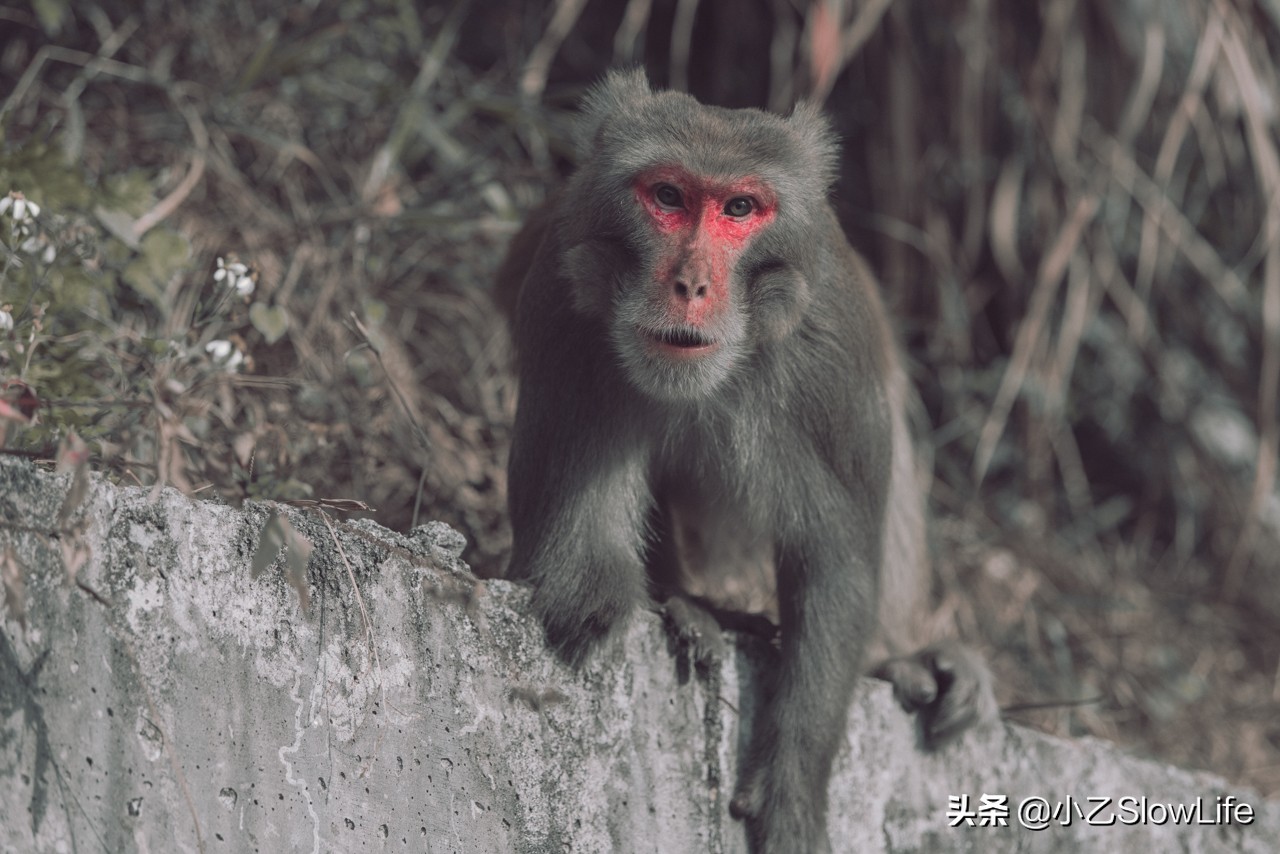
(534, 79)
(1138, 110)
(855, 36)
(417, 497)
(409, 116)
(782, 51)
(364, 612)
(374, 660)
(89, 61)
(419, 432)
(973, 83)
(634, 20)
(1177, 228)
(1267, 161)
(94, 64)
(681, 43)
(1006, 199)
(1081, 308)
(1064, 136)
(1192, 102)
(1047, 281)
(170, 203)
(1018, 708)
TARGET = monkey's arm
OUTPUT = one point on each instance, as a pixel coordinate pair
(578, 499)
(577, 514)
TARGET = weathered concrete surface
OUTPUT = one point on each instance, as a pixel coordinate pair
(193, 707)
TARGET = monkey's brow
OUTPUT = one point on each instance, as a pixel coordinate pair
(712, 183)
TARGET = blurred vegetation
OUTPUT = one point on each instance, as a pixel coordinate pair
(261, 260)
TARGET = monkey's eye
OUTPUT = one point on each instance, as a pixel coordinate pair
(668, 196)
(739, 206)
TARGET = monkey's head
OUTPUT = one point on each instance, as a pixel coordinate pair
(688, 230)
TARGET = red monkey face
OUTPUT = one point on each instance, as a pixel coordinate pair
(700, 229)
(685, 320)
(678, 327)
(688, 233)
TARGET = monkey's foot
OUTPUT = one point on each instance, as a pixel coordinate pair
(779, 818)
(695, 629)
(948, 686)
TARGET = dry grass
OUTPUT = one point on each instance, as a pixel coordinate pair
(1073, 207)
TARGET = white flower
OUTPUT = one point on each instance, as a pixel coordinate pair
(6, 321)
(231, 271)
(224, 353)
(236, 275)
(24, 210)
(219, 349)
(33, 244)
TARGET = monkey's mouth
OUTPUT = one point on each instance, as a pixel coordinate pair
(681, 343)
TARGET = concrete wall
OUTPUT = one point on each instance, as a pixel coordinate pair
(167, 700)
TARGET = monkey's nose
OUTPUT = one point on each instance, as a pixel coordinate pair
(689, 291)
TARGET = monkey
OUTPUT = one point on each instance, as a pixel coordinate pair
(711, 405)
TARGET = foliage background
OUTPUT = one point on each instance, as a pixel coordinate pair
(1074, 206)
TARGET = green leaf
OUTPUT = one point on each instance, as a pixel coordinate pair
(138, 277)
(155, 347)
(129, 192)
(271, 321)
(270, 540)
(52, 14)
(375, 311)
(119, 224)
(166, 251)
(161, 255)
(278, 533)
(40, 171)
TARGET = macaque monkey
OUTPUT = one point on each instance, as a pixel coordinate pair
(712, 407)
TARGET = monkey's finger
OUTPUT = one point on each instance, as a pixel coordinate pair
(695, 629)
(914, 684)
(966, 698)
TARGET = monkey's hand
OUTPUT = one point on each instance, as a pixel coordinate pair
(581, 598)
(947, 685)
(577, 613)
(695, 629)
(577, 524)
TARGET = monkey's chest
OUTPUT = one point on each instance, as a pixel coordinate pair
(709, 547)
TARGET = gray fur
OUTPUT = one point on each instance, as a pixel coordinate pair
(631, 472)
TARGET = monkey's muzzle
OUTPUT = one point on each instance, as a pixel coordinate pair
(682, 343)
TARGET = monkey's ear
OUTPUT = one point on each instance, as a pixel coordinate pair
(817, 139)
(621, 89)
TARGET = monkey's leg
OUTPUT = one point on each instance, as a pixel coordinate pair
(827, 594)
(947, 685)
